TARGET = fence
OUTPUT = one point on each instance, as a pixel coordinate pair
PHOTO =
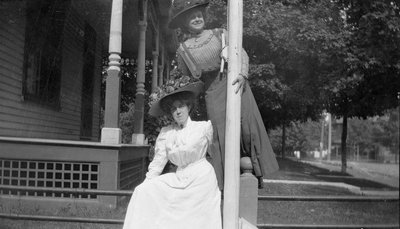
(128, 193)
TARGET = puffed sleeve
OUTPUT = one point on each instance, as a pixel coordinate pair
(160, 155)
(208, 132)
(245, 58)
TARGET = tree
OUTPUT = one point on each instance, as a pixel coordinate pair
(385, 131)
(128, 81)
(301, 136)
(369, 80)
(291, 45)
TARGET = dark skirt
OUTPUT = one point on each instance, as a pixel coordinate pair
(254, 138)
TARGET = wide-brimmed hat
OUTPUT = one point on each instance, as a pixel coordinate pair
(181, 6)
(156, 108)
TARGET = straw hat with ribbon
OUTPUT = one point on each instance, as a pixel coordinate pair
(179, 7)
(172, 87)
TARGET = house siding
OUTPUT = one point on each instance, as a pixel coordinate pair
(19, 118)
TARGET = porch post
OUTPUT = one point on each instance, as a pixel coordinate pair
(248, 192)
(168, 67)
(138, 136)
(154, 81)
(111, 133)
(232, 125)
(161, 67)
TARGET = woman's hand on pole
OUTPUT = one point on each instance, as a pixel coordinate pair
(240, 81)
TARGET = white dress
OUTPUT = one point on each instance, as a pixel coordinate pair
(187, 198)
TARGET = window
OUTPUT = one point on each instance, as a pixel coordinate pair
(43, 44)
(88, 75)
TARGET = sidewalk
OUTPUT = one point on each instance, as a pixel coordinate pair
(319, 174)
(385, 174)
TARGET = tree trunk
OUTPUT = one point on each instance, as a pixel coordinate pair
(396, 155)
(343, 144)
(283, 140)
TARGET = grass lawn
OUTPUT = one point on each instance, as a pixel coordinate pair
(276, 212)
(303, 212)
(279, 212)
(70, 210)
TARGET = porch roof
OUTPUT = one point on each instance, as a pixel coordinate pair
(99, 13)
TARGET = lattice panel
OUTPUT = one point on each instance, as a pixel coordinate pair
(49, 174)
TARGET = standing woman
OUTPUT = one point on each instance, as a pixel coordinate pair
(189, 197)
(199, 55)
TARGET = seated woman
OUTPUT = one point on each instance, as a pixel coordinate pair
(189, 197)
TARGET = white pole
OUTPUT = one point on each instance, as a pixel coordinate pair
(116, 27)
(232, 129)
(329, 136)
(321, 143)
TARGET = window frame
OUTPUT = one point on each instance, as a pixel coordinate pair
(45, 20)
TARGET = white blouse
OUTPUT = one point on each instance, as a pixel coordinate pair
(182, 146)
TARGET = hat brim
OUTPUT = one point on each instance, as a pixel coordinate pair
(196, 88)
(174, 22)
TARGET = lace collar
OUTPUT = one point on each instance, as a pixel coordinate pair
(180, 127)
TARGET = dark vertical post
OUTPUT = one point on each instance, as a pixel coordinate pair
(138, 136)
(283, 147)
(396, 157)
(156, 54)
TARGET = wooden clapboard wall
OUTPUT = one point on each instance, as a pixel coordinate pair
(20, 117)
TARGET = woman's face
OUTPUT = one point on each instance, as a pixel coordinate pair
(195, 21)
(180, 112)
